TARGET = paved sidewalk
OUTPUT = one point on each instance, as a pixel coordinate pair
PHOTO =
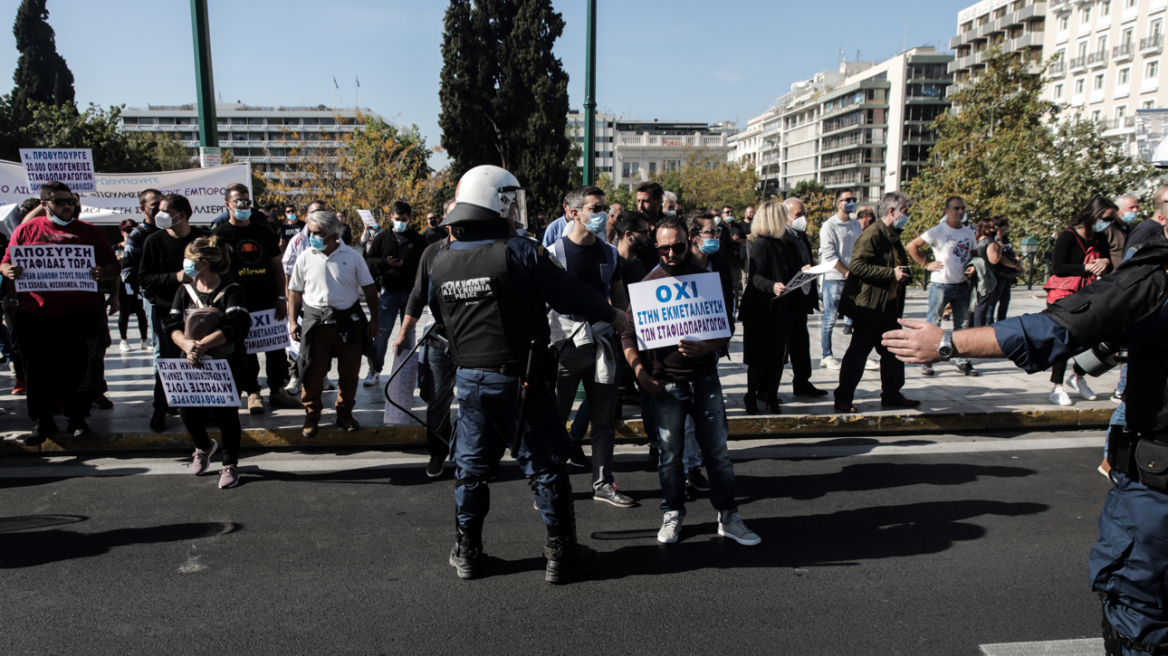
(1002, 397)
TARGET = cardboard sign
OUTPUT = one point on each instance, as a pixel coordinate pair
(73, 166)
(50, 268)
(187, 386)
(267, 334)
(668, 310)
(367, 218)
(401, 389)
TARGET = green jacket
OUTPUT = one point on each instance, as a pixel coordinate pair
(873, 272)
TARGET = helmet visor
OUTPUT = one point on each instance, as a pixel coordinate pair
(513, 206)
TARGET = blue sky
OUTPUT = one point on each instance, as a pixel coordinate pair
(664, 59)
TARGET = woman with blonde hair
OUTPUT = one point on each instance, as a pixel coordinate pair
(765, 317)
(206, 258)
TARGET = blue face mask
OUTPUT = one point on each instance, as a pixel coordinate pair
(596, 222)
(291, 216)
(400, 226)
(241, 215)
(710, 246)
(189, 268)
(316, 242)
(900, 222)
(1100, 226)
(1128, 217)
(850, 207)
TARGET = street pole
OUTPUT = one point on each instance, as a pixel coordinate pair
(590, 98)
(204, 77)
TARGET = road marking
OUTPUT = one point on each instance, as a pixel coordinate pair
(73, 467)
(1086, 647)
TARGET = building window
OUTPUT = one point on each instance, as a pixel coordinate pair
(1121, 111)
(1153, 70)
(1096, 115)
(1105, 9)
(1130, 4)
(1149, 104)
(1058, 91)
(1064, 23)
(1079, 87)
(1098, 82)
(652, 169)
(1082, 48)
(1128, 36)
(1085, 16)
(1102, 44)
(1124, 75)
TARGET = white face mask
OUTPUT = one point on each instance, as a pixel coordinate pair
(163, 220)
(800, 224)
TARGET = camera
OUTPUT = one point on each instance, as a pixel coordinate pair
(1102, 357)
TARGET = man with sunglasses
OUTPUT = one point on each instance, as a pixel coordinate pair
(587, 355)
(683, 381)
(837, 237)
(55, 329)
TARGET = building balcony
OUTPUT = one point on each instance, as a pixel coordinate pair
(1030, 40)
(1057, 69)
(1097, 59)
(1118, 126)
(1157, 5)
(956, 41)
(1152, 45)
(1078, 65)
(1123, 52)
(1029, 12)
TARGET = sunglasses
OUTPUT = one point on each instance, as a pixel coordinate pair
(677, 249)
(716, 231)
(63, 202)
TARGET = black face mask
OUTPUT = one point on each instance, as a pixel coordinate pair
(675, 270)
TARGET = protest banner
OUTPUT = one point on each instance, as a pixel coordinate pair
(116, 197)
(50, 268)
(73, 166)
(187, 386)
(367, 218)
(401, 388)
(267, 333)
(668, 310)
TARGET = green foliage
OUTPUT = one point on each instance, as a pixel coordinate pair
(808, 188)
(575, 152)
(1009, 153)
(615, 194)
(41, 73)
(169, 153)
(504, 95)
(708, 181)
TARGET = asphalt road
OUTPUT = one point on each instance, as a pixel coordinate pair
(877, 552)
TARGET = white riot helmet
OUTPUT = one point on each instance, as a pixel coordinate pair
(488, 193)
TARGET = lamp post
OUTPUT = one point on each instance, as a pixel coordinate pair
(590, 98)
(1029, 248)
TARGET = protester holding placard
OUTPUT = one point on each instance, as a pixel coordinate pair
(256, 266)
(204, 259)
(55, 329)
(766, 318)
(161, 274)
(683, 380)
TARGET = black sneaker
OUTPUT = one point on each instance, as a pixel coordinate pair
(435, 468)
(612, 494)
(847, 329)
(578, 458)
(466, 555)
(568, 560)
(158, 421)
(654, 459)
(696, 480)
(78, 428)
(968, 369)
(44, 428)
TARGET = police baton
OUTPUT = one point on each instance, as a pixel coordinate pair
(523, 389)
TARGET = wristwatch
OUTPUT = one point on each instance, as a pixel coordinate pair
(945, 348)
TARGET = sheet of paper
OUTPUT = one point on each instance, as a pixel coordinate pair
(668, 310)
(187, 386)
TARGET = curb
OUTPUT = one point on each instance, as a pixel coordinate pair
(630, 432)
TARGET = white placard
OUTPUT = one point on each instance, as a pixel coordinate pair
(51, 268)
(401, 390)
(267, 334)
(210, 157)
(804, 278)
(668, 310)
(367, 217)
(116, 197)
(186, 386)
(73, 166)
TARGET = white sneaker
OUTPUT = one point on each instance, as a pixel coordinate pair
(872, 364)
(829, 362)
(372, 379)
(1059, 396)
(1079, 385)
(124, 347)
(736, 530)
(670, 528)
(146, 344)
(293, 386)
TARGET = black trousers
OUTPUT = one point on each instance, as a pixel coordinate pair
(865, 337)
(131, 305)
(275, 366)
(58, 352)
(799, 353)
(195, 420)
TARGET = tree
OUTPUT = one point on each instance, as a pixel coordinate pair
(807, 188)
(169, 153)
(41, 73)
(504, 95)
(707, 180)
(62, 126)
(1009, 153)
(614, 193)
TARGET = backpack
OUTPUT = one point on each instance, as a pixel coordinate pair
(204, 320)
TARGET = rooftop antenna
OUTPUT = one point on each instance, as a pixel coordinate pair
(857, 54)
(905, 47)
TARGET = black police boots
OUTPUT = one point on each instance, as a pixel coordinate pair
(466, 555)
(567, 558)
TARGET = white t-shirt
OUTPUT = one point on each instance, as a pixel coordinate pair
(952, 248)
(330, 280)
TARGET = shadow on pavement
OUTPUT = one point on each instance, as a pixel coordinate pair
(871, 476)
(42, 547)
(26, 522)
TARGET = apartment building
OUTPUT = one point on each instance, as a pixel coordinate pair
(1010, 25)
(264, 136)
(633, 151)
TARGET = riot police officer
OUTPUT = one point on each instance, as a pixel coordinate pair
(491, 289)
(1128, 308)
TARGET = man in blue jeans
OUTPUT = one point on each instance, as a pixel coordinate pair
(393, 260)
(837, 237)
(953, 244)
(683, 381)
